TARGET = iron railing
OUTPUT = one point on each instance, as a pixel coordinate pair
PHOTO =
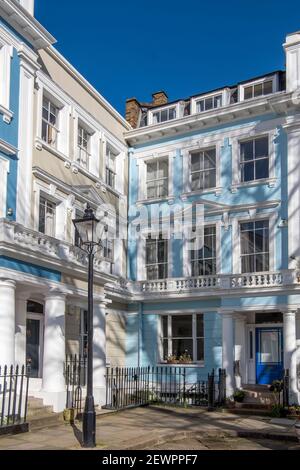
(131, 387)
(286, 388)
(14, 383)
(75, 372)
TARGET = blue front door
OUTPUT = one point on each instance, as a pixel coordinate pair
(269, 355)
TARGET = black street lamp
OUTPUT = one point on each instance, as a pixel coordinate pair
(90, 233)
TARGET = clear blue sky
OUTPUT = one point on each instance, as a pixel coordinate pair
(131, 48)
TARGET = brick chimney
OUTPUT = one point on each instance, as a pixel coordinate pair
(159, 98)
(133, 110)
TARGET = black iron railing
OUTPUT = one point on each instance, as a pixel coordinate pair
(286, 388)
(131, 387)
(14, 383)
(75, 370)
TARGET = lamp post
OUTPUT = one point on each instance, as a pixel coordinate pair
(89, 231)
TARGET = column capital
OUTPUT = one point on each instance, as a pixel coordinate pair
(8, 283)
(289, 311)
(55, 294)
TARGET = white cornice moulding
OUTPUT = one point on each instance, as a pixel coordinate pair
(7, 148)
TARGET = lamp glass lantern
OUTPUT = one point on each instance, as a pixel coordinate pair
(87, 228)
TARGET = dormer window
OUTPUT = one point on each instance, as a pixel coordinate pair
(257, 88)
(260, 89)
(208, 103)
(163, 115)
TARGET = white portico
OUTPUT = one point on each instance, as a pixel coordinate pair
(259, 344)
(33, 328)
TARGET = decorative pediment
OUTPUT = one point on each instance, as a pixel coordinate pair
(90, 193)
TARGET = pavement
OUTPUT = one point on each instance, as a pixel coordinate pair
(160, 427)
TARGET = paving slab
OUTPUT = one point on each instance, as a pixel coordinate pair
(136, 428)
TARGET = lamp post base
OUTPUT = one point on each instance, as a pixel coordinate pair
(89, 423)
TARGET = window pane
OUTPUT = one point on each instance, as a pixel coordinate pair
(195, 183)
(218, 101)
(165, 349)
(172, 113)
(151, 170)
(248, 264)
(164, 115)
(248, 172)
(268, 87)
(182, 346)
(247, 242)
(162, 251)
(151, 190)
(262, 169)
(200, 349)
(165, 326)
(200, 106)
(258, 89)
(208, 104)
(195, 162)
(182, 326)
(261, 147)
(209, 158)
(200, 326)
(155, 118)
(262, 262)
(162, 169)
(248, 92)
(247, 150)
(151, 251)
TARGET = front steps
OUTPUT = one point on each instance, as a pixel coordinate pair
(258, 401)
(40, 416)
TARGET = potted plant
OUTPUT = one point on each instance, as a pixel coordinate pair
(171, 359)
(239, 396)
(185, 358)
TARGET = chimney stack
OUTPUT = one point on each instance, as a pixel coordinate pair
(133, 110)
(28, 5)
(159, 98)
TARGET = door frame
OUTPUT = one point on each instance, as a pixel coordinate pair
(40, 318)
(252, 363)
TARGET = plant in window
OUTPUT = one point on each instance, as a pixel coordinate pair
(185, 358)
(172, 359)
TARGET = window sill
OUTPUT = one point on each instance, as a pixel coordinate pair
(271, 182)
(76, 167)
(217, 191)
(7, 114)
(193, 365)
(169, 199)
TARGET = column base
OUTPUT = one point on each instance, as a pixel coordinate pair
(99, 396)
(55, 399)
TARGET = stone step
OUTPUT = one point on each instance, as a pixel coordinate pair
(45, 421)
(255, 411)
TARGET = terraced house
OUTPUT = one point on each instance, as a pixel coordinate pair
(232, 301)
(62, 147)
(201, 263)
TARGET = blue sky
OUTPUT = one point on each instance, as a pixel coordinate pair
(134, 48)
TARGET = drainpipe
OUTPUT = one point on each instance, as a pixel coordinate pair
(140, 323)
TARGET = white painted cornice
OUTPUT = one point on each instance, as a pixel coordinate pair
(280, 102)
(7, 148)
(25, 24)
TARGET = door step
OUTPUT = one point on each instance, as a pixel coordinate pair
(40, 416)
(258, 394)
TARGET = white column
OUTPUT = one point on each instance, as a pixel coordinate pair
(20, 330)
(239, 349)
(289, 348)
(7, 322)
(99, 356)
(228, 351)
(54, 351)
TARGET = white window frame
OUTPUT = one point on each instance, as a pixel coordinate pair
(275, 85)
(170, 338)
(49, 125)
(6, 55)
(48, 89)
(48, 200)
(83, 334)
(155, 239)
(142, 176)
(4, 172)
(225, 93)
(236, 239)
(81, 148)
(186, 156)
(111, 156)
(157, 180)
(178, 113)
(236, 159)
(82, 119)
(186, 255)
(197, 259)
(253, 253)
